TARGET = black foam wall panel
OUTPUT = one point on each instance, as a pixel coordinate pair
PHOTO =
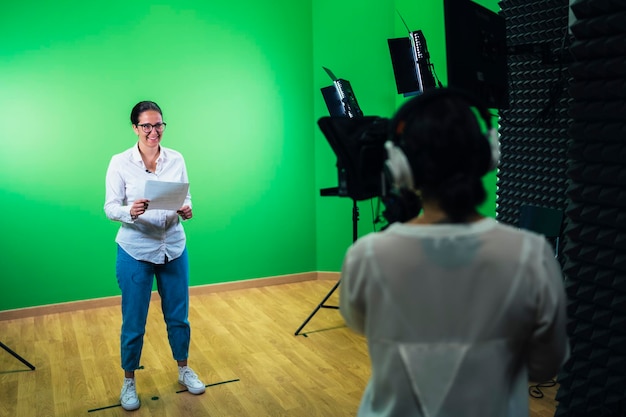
(534, 130)
(564, 146)
(593, 382)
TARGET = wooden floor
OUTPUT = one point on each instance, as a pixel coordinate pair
(243, 347)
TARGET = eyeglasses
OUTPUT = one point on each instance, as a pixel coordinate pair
(147, 127)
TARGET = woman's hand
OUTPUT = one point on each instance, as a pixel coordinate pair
(185, 212)
(139, 207)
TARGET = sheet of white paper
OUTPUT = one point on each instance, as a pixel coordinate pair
(165, 195)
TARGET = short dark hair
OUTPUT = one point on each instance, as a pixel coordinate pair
(141, 107)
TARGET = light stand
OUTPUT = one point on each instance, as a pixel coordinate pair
(355, 220)
(24, 361)
(358, 143)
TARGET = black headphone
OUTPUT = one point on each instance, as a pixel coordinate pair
(402, 203)
(397, 165)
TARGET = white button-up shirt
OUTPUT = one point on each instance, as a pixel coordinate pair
(156, 234)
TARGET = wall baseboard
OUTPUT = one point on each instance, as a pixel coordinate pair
(22, 313)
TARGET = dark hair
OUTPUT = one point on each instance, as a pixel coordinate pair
(141, 107)
(447, 150)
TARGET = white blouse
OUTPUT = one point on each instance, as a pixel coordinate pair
(156, 234)
(457, 318)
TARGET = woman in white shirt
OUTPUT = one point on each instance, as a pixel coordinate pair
(458, 310)
(150, 244)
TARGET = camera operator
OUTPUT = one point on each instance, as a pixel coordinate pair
(459, 311)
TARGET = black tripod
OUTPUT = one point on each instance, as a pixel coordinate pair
(355, 220)
(24, 361)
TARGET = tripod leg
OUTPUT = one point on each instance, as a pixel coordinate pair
(320, 305)
(24, 361)
(355, 220)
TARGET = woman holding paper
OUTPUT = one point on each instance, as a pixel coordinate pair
(151, 243)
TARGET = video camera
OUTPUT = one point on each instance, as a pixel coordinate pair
(359, 144)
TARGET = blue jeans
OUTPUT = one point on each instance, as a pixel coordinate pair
(135, 280)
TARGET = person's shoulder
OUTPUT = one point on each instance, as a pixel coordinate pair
(125, 154)
(171, 153)
(515, 230)
(535, 243)
(373, 241)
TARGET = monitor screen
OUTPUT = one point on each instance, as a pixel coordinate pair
(411, 64)
(339, 98)
(476, 51)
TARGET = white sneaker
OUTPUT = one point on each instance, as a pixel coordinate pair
(128, 397)
(188, 378)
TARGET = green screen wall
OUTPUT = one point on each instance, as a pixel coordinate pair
(351, 38)
(239, 86)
